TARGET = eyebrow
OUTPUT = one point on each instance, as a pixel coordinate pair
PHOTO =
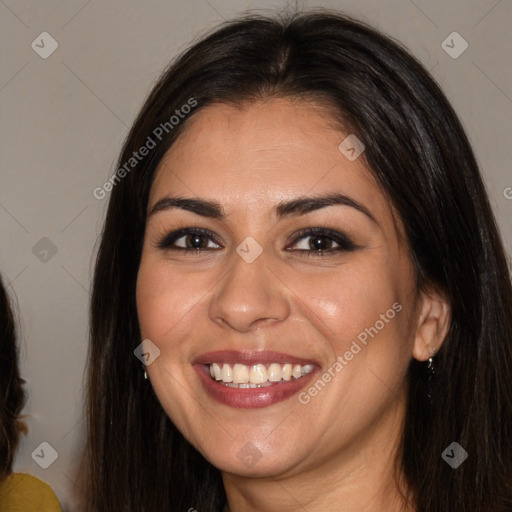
(298, 206)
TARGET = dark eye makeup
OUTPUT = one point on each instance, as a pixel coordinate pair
(320, 241)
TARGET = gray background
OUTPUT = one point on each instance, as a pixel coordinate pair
(63, 122)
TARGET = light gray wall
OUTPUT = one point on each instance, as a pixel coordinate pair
(64, 119)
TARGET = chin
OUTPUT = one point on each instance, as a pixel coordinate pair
(248, 459)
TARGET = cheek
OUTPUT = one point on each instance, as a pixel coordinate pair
(343, 304)
(361, 316)
(165, 298)
(167, 301)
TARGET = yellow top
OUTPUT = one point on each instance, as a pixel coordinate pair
(26, 493)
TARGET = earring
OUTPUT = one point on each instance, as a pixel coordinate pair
(145, 374)
(430, 376)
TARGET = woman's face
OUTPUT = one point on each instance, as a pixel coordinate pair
(321, 323)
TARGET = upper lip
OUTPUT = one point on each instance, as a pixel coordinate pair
(250, 357)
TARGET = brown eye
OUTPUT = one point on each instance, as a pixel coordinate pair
(193, 241)
(321, 241)
(189, 239)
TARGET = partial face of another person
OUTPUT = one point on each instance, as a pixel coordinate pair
(284, 331)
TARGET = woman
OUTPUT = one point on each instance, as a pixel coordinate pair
(370, 374)
(18, 491)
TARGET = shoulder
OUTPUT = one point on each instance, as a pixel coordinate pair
(22, 492)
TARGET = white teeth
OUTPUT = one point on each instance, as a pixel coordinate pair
(226, 373)
(257, 375)
(232, 385)
(240, 374)
(307, 369)
(216, 371)
(274, 373)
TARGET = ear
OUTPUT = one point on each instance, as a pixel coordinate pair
(434, 315)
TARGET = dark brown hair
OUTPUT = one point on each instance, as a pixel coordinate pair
(419, 153)
(12, 396)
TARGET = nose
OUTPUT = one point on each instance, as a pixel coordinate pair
(249, 296)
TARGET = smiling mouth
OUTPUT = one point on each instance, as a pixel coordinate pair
(253, 378)
(258, 375)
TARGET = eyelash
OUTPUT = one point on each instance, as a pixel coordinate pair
(344, 243)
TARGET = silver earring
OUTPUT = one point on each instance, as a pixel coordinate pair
(430, 375)
(145, 375)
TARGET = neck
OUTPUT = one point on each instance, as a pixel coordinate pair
(360, 477)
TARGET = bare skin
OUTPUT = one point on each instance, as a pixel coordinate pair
(337, 450)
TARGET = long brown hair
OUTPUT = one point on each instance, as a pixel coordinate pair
(12, 395)
(420, 155)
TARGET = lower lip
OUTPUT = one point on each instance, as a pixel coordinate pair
(250, 397)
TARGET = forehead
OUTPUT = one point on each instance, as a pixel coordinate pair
(252, 156)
